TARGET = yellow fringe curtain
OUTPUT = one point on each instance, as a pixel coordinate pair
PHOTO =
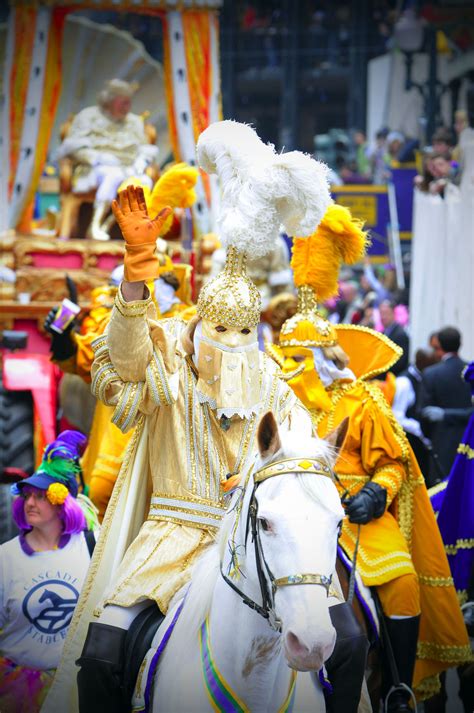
(197, 38)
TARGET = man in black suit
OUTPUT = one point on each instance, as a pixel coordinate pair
(446, 405)
(396, 333)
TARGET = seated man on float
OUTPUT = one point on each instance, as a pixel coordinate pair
(400, 550)
(108, 143)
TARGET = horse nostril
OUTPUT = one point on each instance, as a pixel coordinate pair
(295, 646)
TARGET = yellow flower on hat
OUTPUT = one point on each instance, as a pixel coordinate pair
(57, 493)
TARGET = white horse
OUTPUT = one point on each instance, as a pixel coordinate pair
(226, 655)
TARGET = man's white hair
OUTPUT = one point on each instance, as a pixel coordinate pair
(116, 88)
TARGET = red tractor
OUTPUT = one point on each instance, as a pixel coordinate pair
(28, 408)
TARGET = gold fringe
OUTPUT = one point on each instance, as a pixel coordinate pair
(444, 652)
(460, 545)
(466, 450)
(435, 581)
(428, 687)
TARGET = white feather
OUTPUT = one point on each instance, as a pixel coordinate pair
(261, 189)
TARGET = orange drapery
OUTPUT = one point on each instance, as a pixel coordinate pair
(197, 42)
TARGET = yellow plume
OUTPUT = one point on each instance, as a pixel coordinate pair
(316, 260)
(174, 188)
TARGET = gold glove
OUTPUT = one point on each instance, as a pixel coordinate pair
(140, 234)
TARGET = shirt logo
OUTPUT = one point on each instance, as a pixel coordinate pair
(49, 605)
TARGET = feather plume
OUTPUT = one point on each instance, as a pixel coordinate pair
(90, 511)
(174, 188)
(316, 260)
(261, 190)
(61, 457)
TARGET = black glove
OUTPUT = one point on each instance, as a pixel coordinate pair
(368, 504)
(62, 345)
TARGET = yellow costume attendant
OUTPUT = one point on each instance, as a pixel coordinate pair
(405, 540)
(400, 549)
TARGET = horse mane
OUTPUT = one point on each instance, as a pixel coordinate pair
(207, 568)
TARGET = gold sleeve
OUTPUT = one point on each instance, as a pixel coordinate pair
(131, 397)
(389, 477)
(128, 337)
(381, 451)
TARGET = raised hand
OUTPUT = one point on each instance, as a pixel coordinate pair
(140, 233)
(132, 216)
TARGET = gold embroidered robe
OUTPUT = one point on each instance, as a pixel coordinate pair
(141, 370)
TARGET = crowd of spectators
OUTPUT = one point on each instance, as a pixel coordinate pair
(364, 161)
(360, 161)
(441, 162)
(372, 299)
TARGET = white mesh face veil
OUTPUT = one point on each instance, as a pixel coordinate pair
(327, 370)
(229, 376)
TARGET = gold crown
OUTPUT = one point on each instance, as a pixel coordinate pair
(307, 328)
(231, 298)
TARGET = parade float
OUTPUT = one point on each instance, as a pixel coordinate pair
(54, 58)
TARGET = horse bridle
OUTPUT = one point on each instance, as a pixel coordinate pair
(267, 582)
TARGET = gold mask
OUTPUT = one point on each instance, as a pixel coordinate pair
(307, 385)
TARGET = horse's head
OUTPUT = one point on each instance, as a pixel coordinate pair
(298, 518)
(47, 594)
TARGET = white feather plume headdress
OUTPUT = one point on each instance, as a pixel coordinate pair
(261, 189)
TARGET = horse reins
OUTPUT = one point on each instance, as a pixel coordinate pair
(267, 582)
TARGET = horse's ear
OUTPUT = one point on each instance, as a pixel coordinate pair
(337, 436)
(268, 437)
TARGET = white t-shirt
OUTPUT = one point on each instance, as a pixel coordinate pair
(38, 595)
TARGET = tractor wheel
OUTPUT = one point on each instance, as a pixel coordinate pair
(16, 448)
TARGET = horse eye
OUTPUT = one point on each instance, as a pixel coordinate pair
(264, 524)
